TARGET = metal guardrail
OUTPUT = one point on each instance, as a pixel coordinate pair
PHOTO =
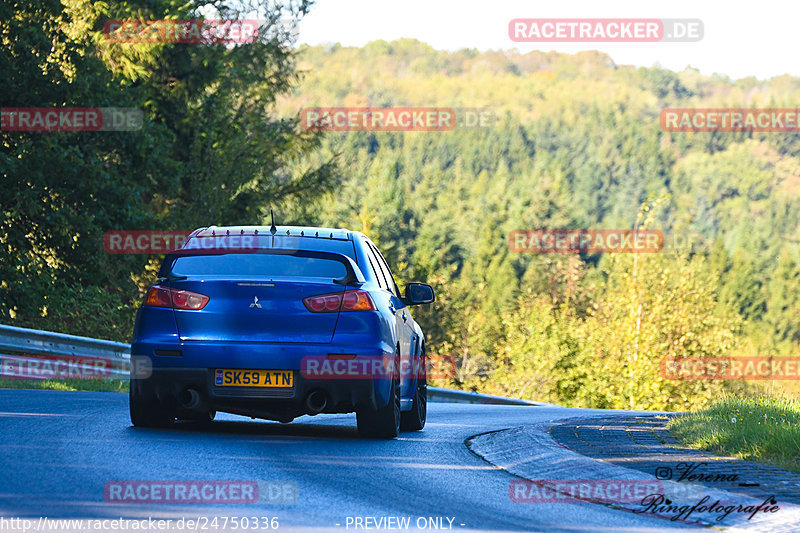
(437, 394)
(34, 341)
(40, 354)
(47, 343)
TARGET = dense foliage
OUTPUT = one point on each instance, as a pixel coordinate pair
(577, 144)
(211, 149)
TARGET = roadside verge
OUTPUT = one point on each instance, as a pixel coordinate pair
(550, 473)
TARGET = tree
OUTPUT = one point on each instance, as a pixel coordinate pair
(211, 150)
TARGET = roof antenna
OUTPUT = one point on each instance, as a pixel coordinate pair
(272, 228)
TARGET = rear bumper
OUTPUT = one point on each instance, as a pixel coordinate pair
(343, 396)
(172, 374)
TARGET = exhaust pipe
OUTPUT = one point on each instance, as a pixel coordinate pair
(189, 398)
(316, 401)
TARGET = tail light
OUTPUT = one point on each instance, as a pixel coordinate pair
(159, 296)
(355, 300)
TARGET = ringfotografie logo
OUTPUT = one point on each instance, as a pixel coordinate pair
(693, 472)
(659, 504)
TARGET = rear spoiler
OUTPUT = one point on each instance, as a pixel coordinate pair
(354, 275)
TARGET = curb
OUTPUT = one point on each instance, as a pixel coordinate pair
(530, 453)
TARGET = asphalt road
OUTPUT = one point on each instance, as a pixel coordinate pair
(60, 449)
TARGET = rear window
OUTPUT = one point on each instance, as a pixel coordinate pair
(269, 265)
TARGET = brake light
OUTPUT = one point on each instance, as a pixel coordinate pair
(355, 300)
(188, 300)
(159, 296)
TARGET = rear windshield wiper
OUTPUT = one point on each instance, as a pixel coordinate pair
(171, 277)
(349, 279)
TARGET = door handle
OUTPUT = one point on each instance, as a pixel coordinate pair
(392, 309)
(404, 316)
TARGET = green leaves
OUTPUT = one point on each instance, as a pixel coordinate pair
(210, 151)
(577, 144)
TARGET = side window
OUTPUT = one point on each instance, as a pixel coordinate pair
(387, 284)
(373, 262)
(387, 273)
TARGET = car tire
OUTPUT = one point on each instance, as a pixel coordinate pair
(147, 412)
(384, 422)
(414, 420)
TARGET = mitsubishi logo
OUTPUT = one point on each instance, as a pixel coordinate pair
(255, 303)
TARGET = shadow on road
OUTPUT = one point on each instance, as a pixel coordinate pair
(259, 428)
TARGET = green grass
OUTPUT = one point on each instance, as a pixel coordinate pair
(757, 428)
(99, 385)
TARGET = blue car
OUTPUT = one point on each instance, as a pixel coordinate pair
(275, 323)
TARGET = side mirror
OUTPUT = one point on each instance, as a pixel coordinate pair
(419, 293)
